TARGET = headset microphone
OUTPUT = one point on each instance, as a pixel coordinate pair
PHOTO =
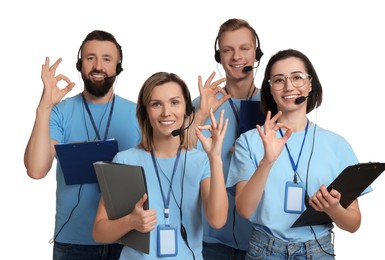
(179, 131)
(300, 100)
(109, 77)
(248, 68)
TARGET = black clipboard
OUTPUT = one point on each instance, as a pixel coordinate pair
(76, 159)
(122, 185)
(351, 182)
(250, 115)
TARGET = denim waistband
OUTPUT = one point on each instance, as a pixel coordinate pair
(277, 245)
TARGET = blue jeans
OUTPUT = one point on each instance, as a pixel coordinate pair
(262, 246)
(213, 251)
(63, 251)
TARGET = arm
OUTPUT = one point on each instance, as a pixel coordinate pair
(348, 219)
(109, 231)
(40, 151)
(213, 189)
(207, 101)
(249, 193)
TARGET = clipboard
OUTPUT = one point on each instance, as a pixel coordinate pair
(351, 182)
(122, 185)
(250, 115)
(76, 159)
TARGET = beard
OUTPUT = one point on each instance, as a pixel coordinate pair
(98, 89)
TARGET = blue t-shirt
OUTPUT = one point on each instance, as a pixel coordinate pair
(70, 122)
(331, 154)
(237, 230)
(193, 167)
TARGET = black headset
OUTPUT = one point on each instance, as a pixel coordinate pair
(189, 106)
(118, 66)
(258, 52)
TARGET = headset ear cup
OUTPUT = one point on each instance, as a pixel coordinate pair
(189, 105)
(258, 54)
(189, 108)
(217, 56)
(119, 68)
(79, 65)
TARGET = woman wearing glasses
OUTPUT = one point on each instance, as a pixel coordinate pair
(285, 166)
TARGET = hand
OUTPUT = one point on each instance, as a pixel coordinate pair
(325, 201)
(52, 94)
(272, 144)
(213, 144)
(208, 94)
(143, 220)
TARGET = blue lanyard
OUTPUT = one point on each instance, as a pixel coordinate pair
(234, 108)
(235, 111)
(295, 165)
(166, 200)
(92, 119)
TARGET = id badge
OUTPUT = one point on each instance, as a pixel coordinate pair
(294, 197)
(167, 241)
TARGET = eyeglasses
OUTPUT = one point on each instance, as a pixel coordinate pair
(297, 79)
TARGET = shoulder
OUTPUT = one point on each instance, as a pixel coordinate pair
(330, 135)
(333, 143)
(126, 155)
(196, 155)
(76, 99)
(249, 135)
(196, 152)
(68, 104)
(123, 101)
(124, 108)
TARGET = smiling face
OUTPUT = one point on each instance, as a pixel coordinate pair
(237, 50)
(166, 109)
(99, 60)
(283, 90)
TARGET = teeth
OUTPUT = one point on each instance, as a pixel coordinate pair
(166, 122)
(288, 97)
(98, 76)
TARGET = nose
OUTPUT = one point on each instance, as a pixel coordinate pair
(165, 110)
(288, 84)
(236, 55)
(98, 64)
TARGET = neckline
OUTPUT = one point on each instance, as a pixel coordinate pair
(249, 96)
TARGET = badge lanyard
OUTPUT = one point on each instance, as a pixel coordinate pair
(295, 165)
(294, 191)
(235, 111)
(92, 119)
(234, 108)
(166, 200)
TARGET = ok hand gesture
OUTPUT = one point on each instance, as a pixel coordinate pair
(52, 93)
(213, 144)
(272, 144)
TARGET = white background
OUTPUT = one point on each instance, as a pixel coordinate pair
(343, 39)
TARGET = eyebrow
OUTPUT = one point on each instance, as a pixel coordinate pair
(171, 98)
(281, 74)
(95, 55)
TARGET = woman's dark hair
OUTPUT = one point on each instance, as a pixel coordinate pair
(315, 96)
